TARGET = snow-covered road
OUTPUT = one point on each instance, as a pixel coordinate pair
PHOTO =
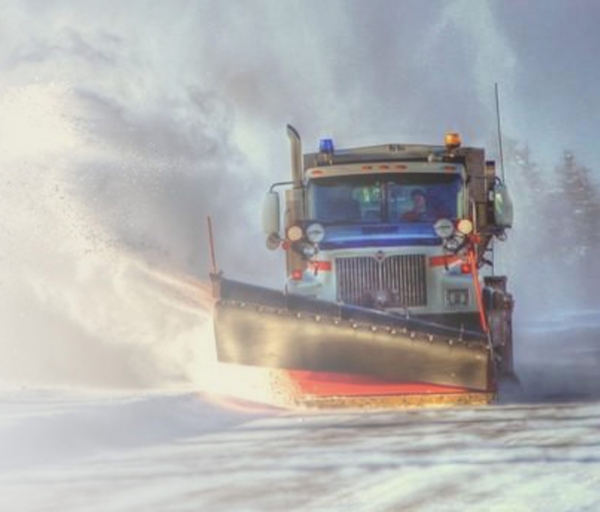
(65, 450)
(181, 452)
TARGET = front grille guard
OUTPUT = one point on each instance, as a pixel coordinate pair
(395, 281)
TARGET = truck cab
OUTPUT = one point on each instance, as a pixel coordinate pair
(388, 227)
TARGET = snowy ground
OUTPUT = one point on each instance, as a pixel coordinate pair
(81, 450)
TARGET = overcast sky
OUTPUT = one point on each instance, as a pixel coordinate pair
(361, 70)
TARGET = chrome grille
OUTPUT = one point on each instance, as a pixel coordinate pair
(401, 280)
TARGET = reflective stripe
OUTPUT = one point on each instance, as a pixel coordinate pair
(444, 260)
(320, 266)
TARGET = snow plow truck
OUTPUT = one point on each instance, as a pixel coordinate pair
(390, 297)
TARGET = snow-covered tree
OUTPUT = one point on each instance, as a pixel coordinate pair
(530, 245)
(576, 202)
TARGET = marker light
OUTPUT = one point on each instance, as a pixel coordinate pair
(452, 140)
(315, 233)
(326, 145)
(294, 233)
(465, 226)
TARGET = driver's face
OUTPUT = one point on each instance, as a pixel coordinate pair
(419, 201)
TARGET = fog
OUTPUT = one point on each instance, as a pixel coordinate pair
(122, 126)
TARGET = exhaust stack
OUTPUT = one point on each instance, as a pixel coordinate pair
(296, 145)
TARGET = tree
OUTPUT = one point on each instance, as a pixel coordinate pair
(576, 203)
(531, 239)
(555, 241)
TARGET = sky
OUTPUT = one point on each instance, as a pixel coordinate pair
(124, 124)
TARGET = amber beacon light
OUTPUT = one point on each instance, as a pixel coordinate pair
(452, 140)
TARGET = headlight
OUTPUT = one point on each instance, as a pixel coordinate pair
(465, 226)
(444, 228)
(294, 233)
(315, 233)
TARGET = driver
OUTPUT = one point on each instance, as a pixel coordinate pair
(418, 212)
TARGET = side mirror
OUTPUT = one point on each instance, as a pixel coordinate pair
(503, 207)
(270, 214)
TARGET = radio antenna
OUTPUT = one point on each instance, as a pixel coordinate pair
(211, 244)
(499, 132)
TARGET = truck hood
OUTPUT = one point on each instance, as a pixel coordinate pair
(380, 235)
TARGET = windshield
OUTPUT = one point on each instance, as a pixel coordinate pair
(389, 198)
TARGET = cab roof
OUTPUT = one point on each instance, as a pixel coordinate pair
(380, 153)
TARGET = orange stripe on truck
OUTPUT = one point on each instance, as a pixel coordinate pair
(444, 260)
(321, 266)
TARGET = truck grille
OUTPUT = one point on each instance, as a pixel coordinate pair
(395, 281)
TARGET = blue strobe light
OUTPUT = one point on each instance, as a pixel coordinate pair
(326, 146)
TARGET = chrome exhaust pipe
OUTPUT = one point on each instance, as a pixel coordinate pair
(296, 146)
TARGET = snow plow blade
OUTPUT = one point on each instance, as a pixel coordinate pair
(341, 355)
